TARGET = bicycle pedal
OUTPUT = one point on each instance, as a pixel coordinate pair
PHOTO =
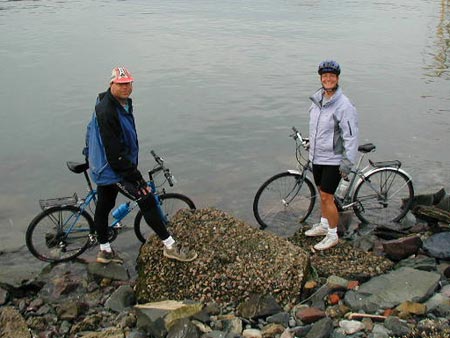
(92, 239)
(119, 226)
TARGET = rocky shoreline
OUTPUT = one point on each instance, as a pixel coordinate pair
(352, 290)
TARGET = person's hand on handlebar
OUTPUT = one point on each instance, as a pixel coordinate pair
(135, 184)
(305, 143)
(143, 188)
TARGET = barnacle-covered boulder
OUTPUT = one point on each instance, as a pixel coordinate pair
(234, 261)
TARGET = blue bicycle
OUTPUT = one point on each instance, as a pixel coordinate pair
(65, 227)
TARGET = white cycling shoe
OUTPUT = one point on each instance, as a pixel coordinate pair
(316, 230)
(328, 242)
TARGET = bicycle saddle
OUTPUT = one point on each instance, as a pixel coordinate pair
(366, 148)
(77, 167)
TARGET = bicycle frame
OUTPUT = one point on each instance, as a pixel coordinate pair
(357, 175)
(116, 224)
(83, 205)
(152, 185)
(64, 229)
(362, 175)
(378, 192)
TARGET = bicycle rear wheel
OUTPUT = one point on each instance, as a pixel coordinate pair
(283, 202)
(59, 233)
(384, 196)
(170, 204)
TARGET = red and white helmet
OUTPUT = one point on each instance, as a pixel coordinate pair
(120, 75)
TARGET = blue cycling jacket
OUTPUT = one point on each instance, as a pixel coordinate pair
(111, 141)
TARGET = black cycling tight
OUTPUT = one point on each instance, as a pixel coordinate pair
(106, 199)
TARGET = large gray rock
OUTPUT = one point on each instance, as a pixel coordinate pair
(121, 299)
(4, 296)
(401, 248)
(234, 261)
(418, 262)
(444, 203)
(183, 328)
(112, 271)
(62, 281)
(258, 306)
(321, 328)
(429, 199)
(18, 274)
(438, 245)
(389, 290)
(397, 326)
(159, 317)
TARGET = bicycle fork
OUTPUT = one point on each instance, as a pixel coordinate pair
(293, 193)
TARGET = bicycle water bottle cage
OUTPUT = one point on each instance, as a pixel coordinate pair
(366, 148)
(395, 164)
(77, 167)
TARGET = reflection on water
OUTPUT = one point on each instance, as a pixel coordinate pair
(441, 47)
(219, 85)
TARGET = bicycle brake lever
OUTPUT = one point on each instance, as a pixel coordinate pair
(173, 179)
(169, 177)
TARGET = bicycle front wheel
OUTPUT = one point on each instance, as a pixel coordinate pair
(59, 233)
(170, 204)
(383, 196)
(283, 202)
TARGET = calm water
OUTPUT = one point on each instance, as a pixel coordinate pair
(218, 86)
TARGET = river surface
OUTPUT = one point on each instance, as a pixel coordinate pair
(218, 85)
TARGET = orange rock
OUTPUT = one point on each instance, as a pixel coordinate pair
(412, 308)
(310, 314)
(311, 284)
(388, 312)
(333, 299)
(352, 285)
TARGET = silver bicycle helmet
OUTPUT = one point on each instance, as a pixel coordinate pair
(329, 66)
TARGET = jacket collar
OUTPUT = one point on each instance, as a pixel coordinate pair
(318, 95)
(117, 103)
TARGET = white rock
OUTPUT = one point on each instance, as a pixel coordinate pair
(252, 333)
(351, 326)
(287, 334)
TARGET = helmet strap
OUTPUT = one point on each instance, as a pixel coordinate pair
(330, 90)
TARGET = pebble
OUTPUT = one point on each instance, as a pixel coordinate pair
(83, 302)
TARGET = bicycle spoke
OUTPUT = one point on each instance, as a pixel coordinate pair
(283, 203)
(170, 205)
(59, 233)
(390, 181)
(380, 197)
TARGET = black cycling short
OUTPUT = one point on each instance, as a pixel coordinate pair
(326, 177)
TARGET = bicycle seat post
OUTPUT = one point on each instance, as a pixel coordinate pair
(88, 180)
(358, 164)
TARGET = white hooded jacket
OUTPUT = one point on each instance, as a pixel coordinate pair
(333, 130)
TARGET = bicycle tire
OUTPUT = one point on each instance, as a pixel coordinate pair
(46, 240)
(170, 203)
(271, 210)
(397, 193)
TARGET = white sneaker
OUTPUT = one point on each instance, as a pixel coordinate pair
(316, 230)
(328, 242)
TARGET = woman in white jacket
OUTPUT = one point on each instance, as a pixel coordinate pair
(333, 134)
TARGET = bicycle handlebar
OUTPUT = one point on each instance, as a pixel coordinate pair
(298, 136)
(167, 174)
(158, 159)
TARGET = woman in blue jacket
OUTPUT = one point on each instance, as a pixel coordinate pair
(112, 149)
(333, 134)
